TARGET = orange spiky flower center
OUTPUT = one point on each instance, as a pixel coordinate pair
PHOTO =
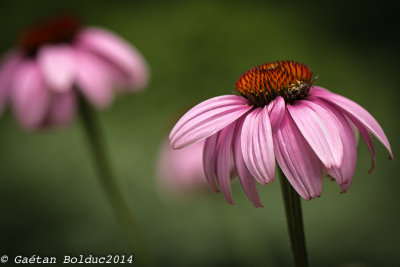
(61, 29)
(264, 83)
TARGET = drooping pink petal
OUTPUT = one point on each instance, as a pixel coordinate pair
(62, 109)
(345, 172)
(264, 146)
(297, 160)
(58, 66)
(223, 161)
(30, 97)
(257, 145)
(118, 52)
(368, 141)
(249, 127)
(276, 110)
(8, 67)
(207, 118)
(356, 113)
(245, 177)
(354, 128)
(209, 161)
(93, 79)
(319, 128)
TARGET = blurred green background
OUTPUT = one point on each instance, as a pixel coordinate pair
(50, 200)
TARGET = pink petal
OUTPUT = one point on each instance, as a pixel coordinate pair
(297, 160)
(30, 97)
(245, 178)
(117, 51)
(356, 113)
(248, 147)
(264, 146)
(319, 128)
(345, 172)
(8, 66)
(209, 161)
(276, 110)
(207, 118)
(223, 161)
(62, 109)
(58, 66)
(354, 128)
(257, 145)
(368, 141)
(93, 79)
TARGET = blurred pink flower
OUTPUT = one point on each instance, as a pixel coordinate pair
(181, 170)
(41, 77)
(278, 115)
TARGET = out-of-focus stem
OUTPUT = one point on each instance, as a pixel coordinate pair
(110, 185)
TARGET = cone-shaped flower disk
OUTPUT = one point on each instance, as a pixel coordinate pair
(41, 77)
(278, 115)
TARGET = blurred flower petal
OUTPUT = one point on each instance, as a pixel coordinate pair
(8, 67)
(58, 66)
(118, 51)
(29, 95)
(93, 79)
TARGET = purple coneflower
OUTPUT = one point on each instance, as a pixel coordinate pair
(59, 64)
(278, 115)
(41, 77)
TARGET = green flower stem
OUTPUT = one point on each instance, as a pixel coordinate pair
(294, 222)
(110, 185)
